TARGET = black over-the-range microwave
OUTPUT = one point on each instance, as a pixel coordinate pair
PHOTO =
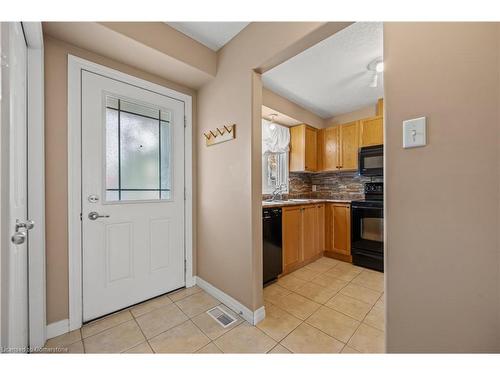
(371, 161)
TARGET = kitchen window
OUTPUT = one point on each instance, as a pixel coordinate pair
(274, 172)
(275, 150)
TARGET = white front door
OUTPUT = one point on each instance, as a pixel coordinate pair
(14, 139)
(132, 194)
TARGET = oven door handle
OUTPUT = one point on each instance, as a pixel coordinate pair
(368, 208)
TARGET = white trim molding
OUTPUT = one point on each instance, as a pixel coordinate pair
(252, 317)
(57, 328)
(36, 183)
(75, 67)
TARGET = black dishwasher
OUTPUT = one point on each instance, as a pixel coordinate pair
(272, 248)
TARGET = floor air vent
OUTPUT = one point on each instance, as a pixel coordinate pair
(222, 317)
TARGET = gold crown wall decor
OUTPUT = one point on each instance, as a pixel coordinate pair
(219, 135)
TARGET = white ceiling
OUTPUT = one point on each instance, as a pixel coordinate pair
(331, 78)
(214, 35)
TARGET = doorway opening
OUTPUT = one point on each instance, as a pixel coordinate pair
(323, 188)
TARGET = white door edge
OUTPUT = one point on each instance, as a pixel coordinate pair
(75, 66)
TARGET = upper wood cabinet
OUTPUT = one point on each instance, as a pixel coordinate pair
(349, 144)
(371, 131)
(331, 158)
(303, 149)
(338, 146)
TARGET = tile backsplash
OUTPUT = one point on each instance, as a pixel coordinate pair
(335, 185)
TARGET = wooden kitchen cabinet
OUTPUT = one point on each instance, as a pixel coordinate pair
(310, 231)
(303, 149)
(371, 131)
(349, 145)
(303, 235)
(338, 231)
(339, 147)
(331, 158)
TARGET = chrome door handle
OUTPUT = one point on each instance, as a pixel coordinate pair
(27, 225)
(94, 215)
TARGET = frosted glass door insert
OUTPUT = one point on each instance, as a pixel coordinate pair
(138, 152)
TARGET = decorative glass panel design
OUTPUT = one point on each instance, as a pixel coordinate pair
(138, 152)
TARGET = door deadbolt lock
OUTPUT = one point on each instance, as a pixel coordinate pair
(27, 225)
(92, 198)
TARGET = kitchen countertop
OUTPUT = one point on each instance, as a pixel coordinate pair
(298, 202)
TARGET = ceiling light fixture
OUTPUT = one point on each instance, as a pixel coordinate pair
(375, 67)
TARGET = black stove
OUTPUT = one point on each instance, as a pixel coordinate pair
(367, 228)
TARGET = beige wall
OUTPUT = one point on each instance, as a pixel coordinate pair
(229, 196)
(442, 213)
(56, 194)
(283, 105)
(368, 111)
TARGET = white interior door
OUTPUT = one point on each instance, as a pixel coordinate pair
(14, 113)
(132, 194)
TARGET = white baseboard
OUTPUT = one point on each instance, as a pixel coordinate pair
(259, 315)
(252, 317)
(57, 328)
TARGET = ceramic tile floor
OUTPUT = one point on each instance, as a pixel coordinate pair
(325, 307)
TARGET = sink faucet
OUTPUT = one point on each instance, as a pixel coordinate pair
(278, 191)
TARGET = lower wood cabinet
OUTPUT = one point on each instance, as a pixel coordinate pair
(303, 235)
(338, 231)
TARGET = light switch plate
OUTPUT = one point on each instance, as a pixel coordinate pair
(414, 133)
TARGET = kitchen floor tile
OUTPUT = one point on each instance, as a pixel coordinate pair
(142, 348)
(197, 304)
(343, 273)
(245, 339)
(330, 282)
(160, 320)
(278, 323)
(115, 340)
(150, 305)
(370, 279)
(328, 261)
(63, 341)
(360, 292)
(105, 323)
(333, 323)
(316, 292)
(210, 349)
(213, 329)
(307, 339)
(298, 306)
(305, 274)
(184, 338)
(291, 282)
(349, 306)
(349, 350)
(367, 340)
(319, 266)
(184, 292)
(279, 349)
(376, 318)
(274, 291)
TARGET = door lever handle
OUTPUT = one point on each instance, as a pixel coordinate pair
(94, 215)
